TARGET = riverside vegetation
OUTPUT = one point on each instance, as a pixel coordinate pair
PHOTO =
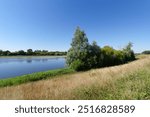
(30, 52)
(128, 81)
(34, 77)
(83, 56)
(80, 57)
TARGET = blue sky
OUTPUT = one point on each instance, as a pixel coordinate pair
(50, 24)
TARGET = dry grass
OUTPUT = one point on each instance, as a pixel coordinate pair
(64, 87)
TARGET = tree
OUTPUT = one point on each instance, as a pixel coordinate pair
(94, 56)
(108, 56)
(146, 52)
(1, 52)
(78, 53)
(129, 53)
(37, 52)
(21, 52)
(83, 56)
(6, 53)
(29, 52)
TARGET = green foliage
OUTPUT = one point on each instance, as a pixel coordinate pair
(34, 77)
(108, 56)
(1, 52)
(94, 56)
(30, 52)
(78, 53)
(118, 57)
(7, 53)
(21, 52)
(146, 52)
(77, 65)
(84, 56)
(115, 57)
(128, 53)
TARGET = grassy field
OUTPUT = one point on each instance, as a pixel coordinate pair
(128, 81)
(135, 85)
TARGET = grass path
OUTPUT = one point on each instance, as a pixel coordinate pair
(128, 81)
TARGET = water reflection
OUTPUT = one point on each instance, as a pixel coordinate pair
(15, 66)
(38, 60)
(29, 61)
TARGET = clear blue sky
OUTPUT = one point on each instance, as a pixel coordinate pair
(50, 24)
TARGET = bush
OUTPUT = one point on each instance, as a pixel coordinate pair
(77, 65)
(118, 57)
(108, 56)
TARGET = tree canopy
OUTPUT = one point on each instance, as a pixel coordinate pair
(30, 52)
(146, 52)
(83, 56)
(78, 53)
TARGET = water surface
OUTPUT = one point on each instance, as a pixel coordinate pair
(16, 66)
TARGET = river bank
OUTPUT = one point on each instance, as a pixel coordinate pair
(127, 81)
(34, 77)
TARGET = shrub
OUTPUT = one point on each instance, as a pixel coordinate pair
(77, 65)
(108, 56)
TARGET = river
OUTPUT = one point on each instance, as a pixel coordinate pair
(16, 66)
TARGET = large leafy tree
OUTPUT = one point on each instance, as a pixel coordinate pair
(78, 53)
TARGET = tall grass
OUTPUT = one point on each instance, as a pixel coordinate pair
(132, 86)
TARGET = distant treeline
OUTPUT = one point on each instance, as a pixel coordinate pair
(83, 56)
(146, 52)
(30, 52)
